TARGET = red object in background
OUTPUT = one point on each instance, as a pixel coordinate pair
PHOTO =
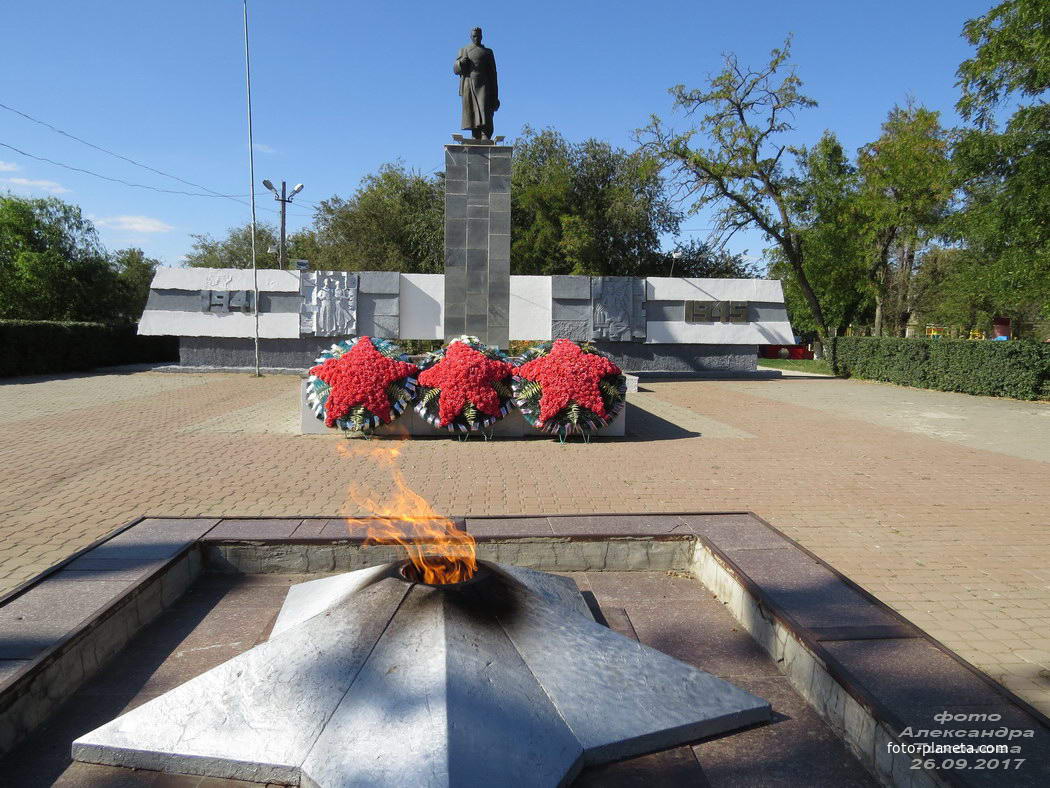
(794, 351)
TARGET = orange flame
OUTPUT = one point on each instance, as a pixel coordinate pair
(440, 551)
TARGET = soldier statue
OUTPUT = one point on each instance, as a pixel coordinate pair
(476, 67)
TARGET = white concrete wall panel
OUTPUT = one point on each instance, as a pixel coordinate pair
(422, 306)
(663, 288)
(661, 332)
(270, 280)
(530, 307)
(272, 325)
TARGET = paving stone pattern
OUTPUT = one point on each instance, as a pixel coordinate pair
(953, 536)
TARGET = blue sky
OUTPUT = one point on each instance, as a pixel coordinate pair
(339, 88)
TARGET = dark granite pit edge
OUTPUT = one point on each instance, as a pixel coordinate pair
(830, 637)
(115, 586)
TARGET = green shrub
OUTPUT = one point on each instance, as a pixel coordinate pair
(1017, 368)
(38, 347)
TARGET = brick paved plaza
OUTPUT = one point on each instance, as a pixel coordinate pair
(939, 504)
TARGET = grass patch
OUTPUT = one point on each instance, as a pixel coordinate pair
(796, 365)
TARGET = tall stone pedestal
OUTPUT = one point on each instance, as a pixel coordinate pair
(477, 241)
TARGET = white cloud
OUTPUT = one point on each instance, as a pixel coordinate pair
(6, 166)
(263, 148)
(41, 185)
(134, 224)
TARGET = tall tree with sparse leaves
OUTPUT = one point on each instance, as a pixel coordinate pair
(733, 159)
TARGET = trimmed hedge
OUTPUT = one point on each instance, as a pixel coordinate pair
(38, 347)
(1016, 368)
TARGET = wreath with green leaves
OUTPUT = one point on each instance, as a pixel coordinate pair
(565, 388)
(360, 384)
(465, 386)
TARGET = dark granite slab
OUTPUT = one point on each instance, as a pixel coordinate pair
(910, 676)
(731, 532)
(253, 529)
(688, 630)
(46, 614)
(807, 590)
(797, 749)
(618, 525)
(509, 527)
(154, 539)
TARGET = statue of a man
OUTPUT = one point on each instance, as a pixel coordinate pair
(476, 66)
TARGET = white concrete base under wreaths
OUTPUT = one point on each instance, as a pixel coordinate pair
(513, 425)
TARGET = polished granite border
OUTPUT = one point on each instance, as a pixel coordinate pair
(59, 628)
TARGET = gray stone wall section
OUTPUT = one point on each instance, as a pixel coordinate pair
(757, 311)
(240, 352)
(477, 242)
(571, 308)
(190, 301)
(635, 357)
(379, 304)
(380, 282)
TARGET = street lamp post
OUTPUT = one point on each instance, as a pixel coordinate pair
(676, 255)
(283, 198)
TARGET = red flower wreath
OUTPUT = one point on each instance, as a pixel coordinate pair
(360, 377)
(568, 377)
(463, 376)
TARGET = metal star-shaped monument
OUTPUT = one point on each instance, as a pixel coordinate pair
(465, 375)
(567, 374)
(371, 679)
(360, 377)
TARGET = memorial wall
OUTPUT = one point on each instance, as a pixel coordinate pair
(645, 324)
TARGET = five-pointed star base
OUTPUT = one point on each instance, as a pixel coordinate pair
(371, 680)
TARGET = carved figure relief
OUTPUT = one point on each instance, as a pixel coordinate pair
(612, 300)
(331, 301)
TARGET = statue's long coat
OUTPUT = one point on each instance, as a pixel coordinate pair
(477, 85)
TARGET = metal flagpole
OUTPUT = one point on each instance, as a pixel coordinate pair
(251, 175)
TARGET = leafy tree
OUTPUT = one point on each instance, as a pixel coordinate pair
(52, 266)
(949, 290)
(824, 200)
(1005, 176)
(1012, 58)
(134, 274)
(906, 183)
(393, 222)
(586, 208)
(702, 260)
(235, 250)
(733, 160)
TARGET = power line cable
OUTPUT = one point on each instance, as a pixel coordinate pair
(116, 180)
(210, 192)
(135, 185)
(117, 155)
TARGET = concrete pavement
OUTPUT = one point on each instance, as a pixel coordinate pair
(937, 503)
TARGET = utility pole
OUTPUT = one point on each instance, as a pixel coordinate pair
(283, 198)
(251, 184)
